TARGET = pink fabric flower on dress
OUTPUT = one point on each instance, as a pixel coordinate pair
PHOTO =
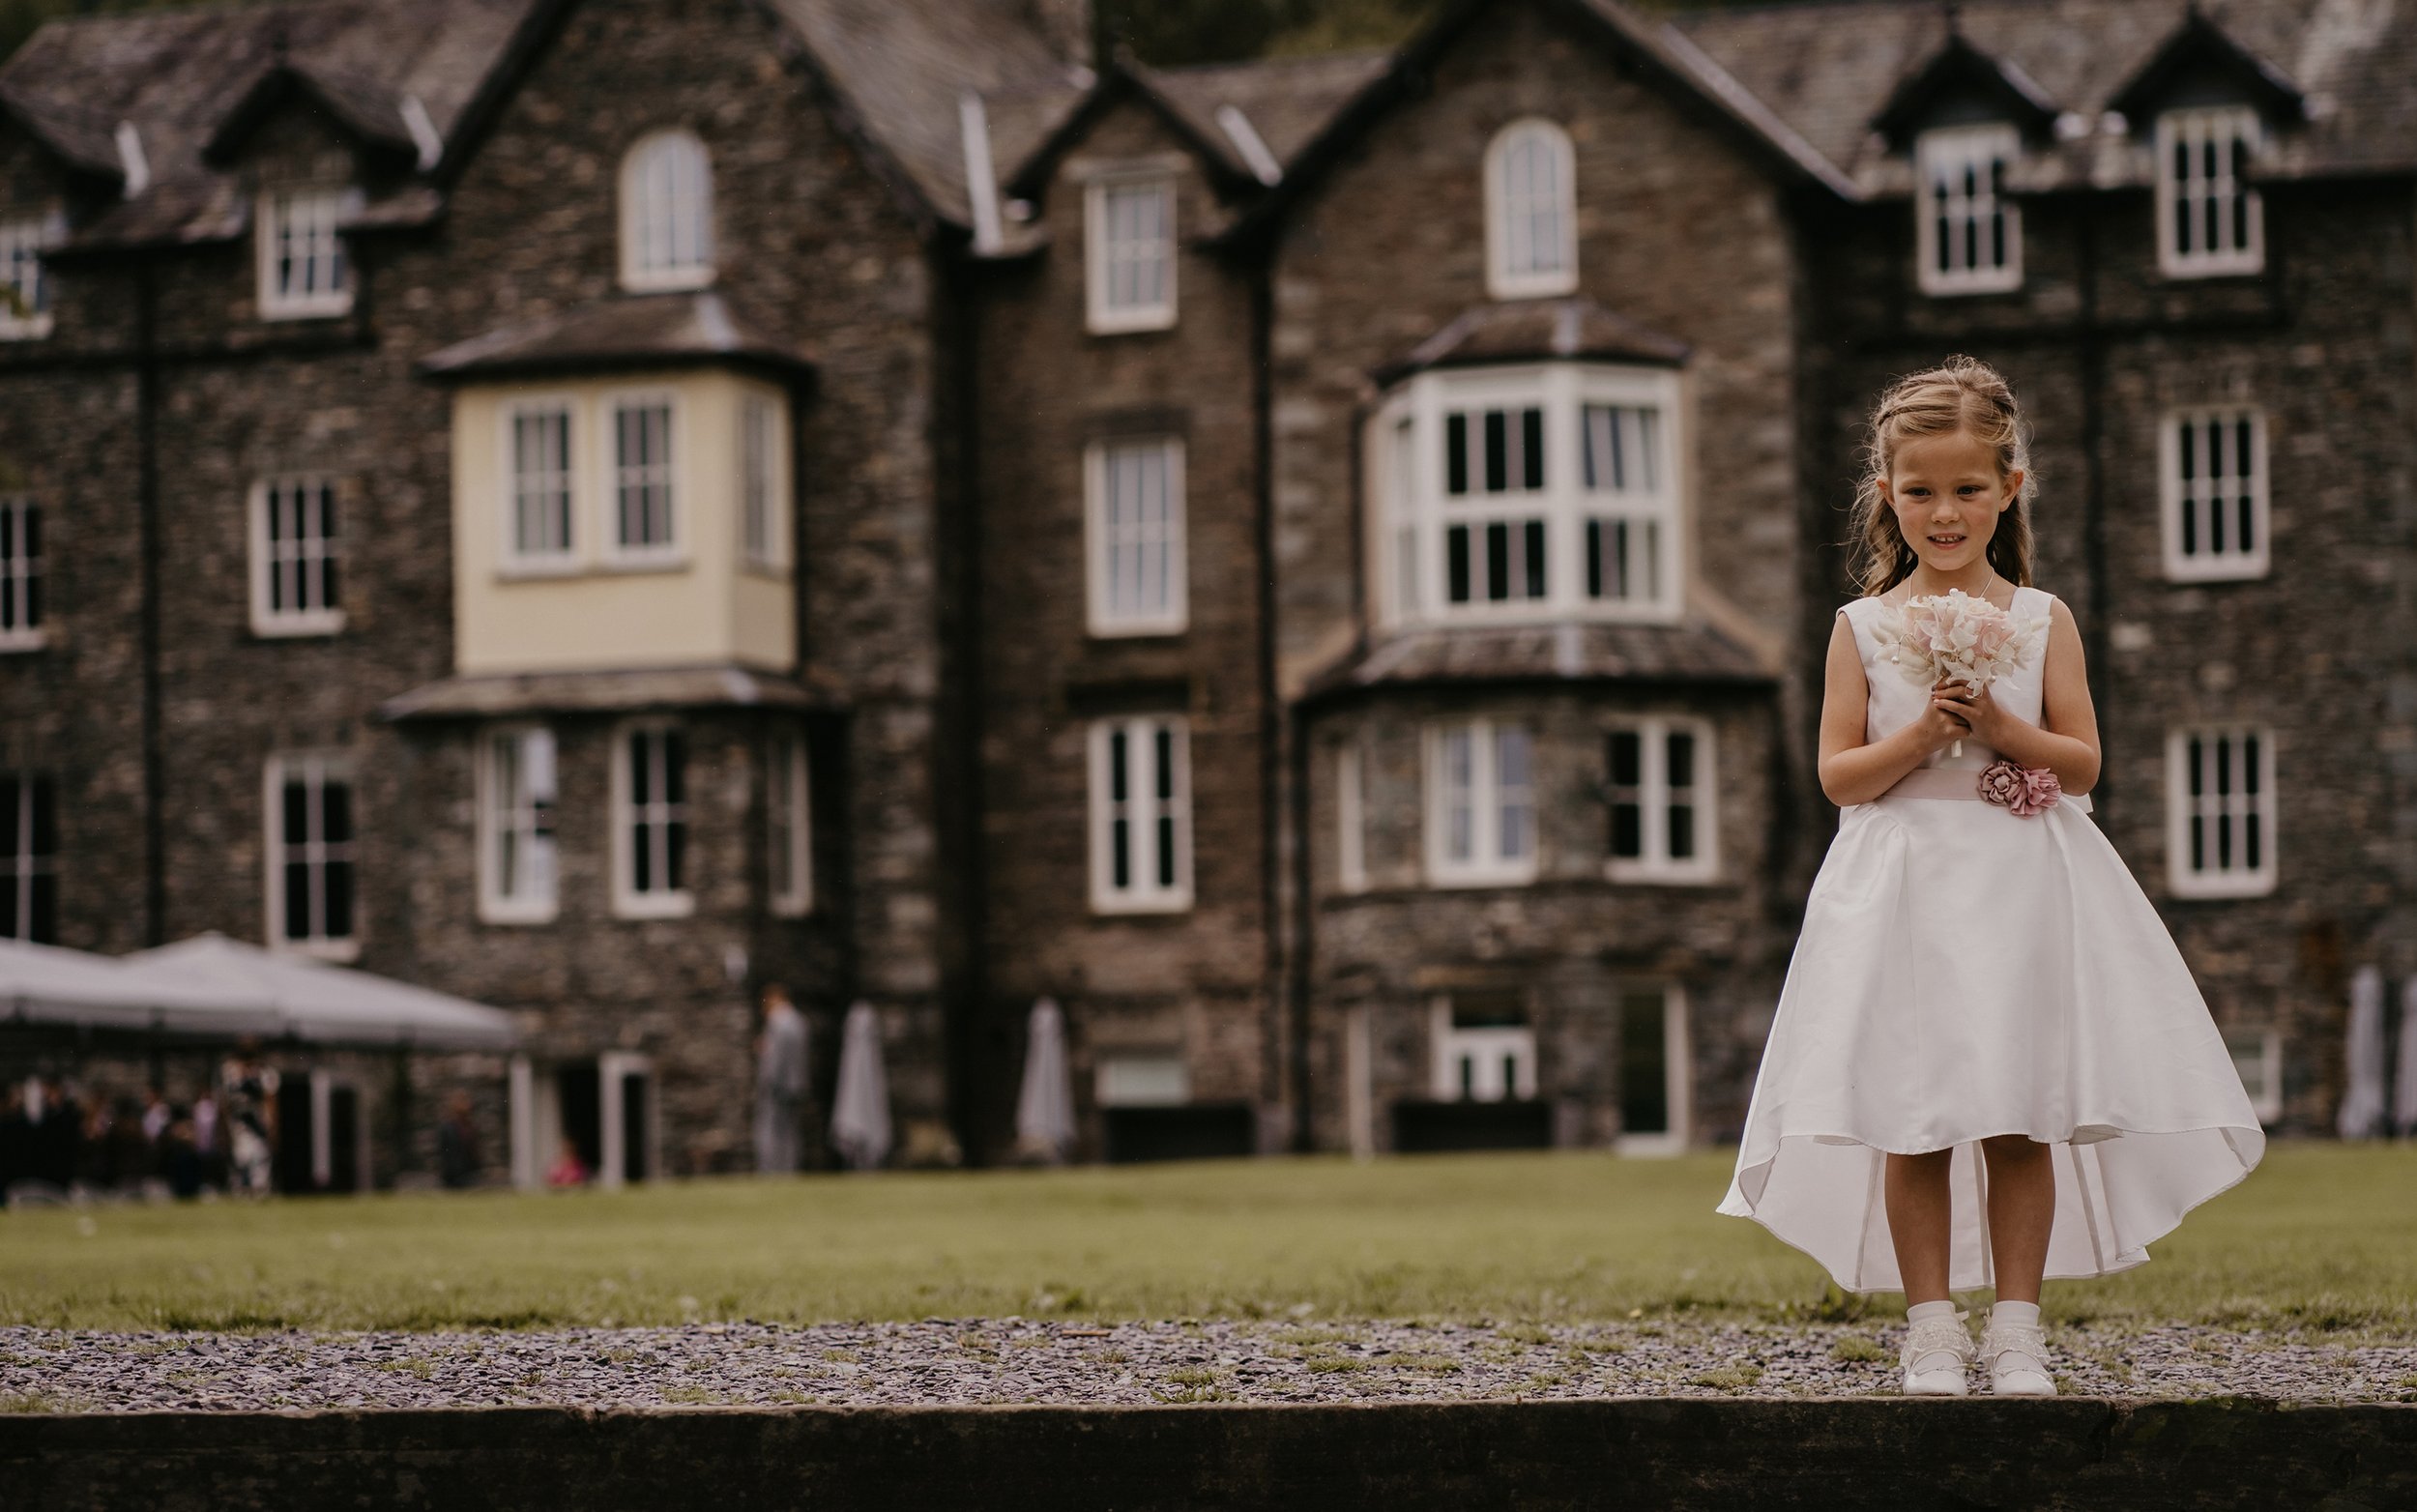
(2024, 791)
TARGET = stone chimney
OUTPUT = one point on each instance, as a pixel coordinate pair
(1067, 24)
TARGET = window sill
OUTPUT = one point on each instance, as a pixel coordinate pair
(1172, 907)
(20, 641)
(674, 905)
(337, 952)
(2219, 573)
(1160, 631)
(1558, 286)
(36, 330)
(1128, 325)
(298, 628)
(2190, 275)
(327, 311)
(1957, 291)
(1471, 881)
(792, 907)
(2198, 889)
(1660, 877)
(666, 280)
(504, 917)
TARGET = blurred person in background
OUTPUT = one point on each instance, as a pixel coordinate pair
(456, 1143)
(780, 1082)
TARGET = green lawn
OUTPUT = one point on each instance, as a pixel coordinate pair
(2320, 1237)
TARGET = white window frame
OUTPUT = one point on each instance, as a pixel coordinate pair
(1134, 1077)
(656, 902)
(22, 605)
(673, 551)
(526, 816)
(1953, 181)
(1654, 794)
(2202, 564)
(326, 210)
(2194, 128)
(1678, 1078)
(1413, 511)
(518, 561)
(23, 239)
(1486, 1048)
(763, 483)
(1101, 251)
(2237, 880)
(2266, 1100)
(1350, 815)
(25, 863)
(789, 821)
(654, 213)
(1102, 542)
(318, 769)
(1486, 865)
(269, 558)
(1140, 810)
(1512, 212)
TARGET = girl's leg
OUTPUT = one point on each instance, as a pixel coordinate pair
(1915, 1188)
(2022, 1207)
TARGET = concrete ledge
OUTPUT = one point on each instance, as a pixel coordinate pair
(1539, 1457)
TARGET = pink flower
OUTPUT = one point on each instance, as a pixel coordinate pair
(2024, 791)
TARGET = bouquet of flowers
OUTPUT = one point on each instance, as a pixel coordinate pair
(1956, 635)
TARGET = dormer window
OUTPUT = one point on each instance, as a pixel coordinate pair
(666, 214)
(25, 291)
(1528, 494)
(303, 271)
(1968, 232)
(1129, 253)
(1531, 212)
(2209, 219)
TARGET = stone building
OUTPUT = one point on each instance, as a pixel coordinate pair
(1320, 566)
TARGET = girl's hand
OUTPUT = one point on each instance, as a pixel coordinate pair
(1971, 703)
(1942, 724)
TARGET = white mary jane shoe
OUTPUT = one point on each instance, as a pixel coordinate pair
(1936, 1352)
(2018, 1359)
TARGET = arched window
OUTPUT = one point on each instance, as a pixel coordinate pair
(1530, 212)
(666, 214)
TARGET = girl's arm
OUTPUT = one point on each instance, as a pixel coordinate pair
(1852, 769)
(2066, 741)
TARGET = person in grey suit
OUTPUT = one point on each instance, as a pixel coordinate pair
(780, 1082)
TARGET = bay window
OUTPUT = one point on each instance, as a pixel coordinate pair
(1528, 494)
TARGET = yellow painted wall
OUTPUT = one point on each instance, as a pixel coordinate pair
(703, 607)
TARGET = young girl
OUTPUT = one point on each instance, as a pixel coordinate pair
(1988, 1062)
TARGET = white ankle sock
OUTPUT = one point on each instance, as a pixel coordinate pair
(1945, 1308)
(2015, 1312)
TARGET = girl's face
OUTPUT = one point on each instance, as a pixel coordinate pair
(1948, 495)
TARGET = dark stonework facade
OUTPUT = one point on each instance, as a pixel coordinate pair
(914, 243)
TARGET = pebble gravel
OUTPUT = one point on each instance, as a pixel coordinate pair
(991, 1361)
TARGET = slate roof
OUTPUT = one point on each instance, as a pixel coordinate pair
(1562, 652)
(1520, 330)
(1286, 100)
(1825, 67)
(626, 330)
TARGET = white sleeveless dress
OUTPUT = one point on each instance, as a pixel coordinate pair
(1963, 970)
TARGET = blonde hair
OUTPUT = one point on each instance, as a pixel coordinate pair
(1962, 393)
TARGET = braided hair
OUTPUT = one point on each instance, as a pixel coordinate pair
(1962, 393)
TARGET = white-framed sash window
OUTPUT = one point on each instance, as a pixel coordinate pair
(29, 858)
(1138, 1077)
(788, 838)
(25, 281)
(312, 854)
(1526, 495)
(1350, 815)
(1141, 820)
(1656, 1070)
(649, 795)
(1135, 529)
(640, 443)
(1661, 797)
(1129, 253)
(2209, 217)
(666, 212)
(2220, 810)
(517, 856)
(764, 524)
(542, 503)
(21, 585)
(296, 556)
(1530, 212)
(1481, 812)
(2257, 1056)
(1968, 232)
(1484, 1048)
(302, 267)
(2214, 468)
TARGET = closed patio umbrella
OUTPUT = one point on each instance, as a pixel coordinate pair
(860, 1114)
(2362, 1100)
(2404, 1082)
(1045, 1110)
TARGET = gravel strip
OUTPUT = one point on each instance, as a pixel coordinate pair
(981, 1361)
